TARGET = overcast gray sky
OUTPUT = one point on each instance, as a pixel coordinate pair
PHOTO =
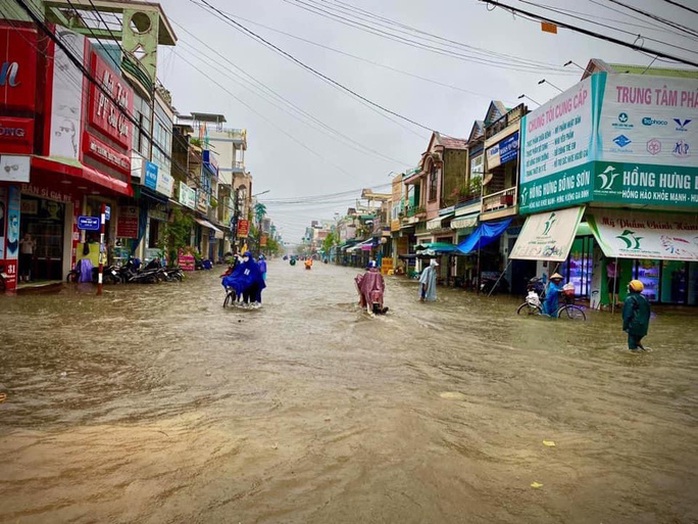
(293, 159)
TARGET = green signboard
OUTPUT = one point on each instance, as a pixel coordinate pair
(616, 139)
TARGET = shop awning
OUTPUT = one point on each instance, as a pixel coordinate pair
(642, 234)
(218, 233)
(436, 248)
(485, 234)
(437, 223)
(465, 221)
(548, 236)
(366, 245)
(82, 172)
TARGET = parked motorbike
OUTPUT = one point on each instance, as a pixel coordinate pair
(491, 286)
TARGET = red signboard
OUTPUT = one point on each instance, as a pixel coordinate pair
(16, 135)
(104, 114)
(18, 48)
(106, 154)
(127, 224)
(243, 228)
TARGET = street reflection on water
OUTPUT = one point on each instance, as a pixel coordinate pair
(154, 404)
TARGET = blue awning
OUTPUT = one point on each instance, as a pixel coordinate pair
(486, 233)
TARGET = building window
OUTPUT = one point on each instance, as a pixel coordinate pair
(432, 183)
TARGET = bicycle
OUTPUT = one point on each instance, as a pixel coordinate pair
(532, 304)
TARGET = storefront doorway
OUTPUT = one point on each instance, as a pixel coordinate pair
(44, 220)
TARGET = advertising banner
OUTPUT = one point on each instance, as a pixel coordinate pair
(557, 150)
(127, 222)
(548, 236)
(104, 114)
(18, 67)
(645, 235)
(106, 154)
(648, 141)
(150, 180)
(187, 196)
(165, 183)
(243, 228)
(66, 97)
(12, 237)
(16, 135)
(3, 215)
(14, 168)
(504, 151)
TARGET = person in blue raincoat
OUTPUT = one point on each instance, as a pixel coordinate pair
(552, 295)
(252, 282)
(262, 263)
(427, 282)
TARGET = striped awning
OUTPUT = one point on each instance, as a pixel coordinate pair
(465, 221)
(437, 223)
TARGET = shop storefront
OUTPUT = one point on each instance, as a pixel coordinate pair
(659, 249)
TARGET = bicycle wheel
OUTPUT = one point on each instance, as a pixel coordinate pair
(528, 309)
(229, 298)
(572, 312)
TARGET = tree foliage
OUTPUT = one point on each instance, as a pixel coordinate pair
(176, 236)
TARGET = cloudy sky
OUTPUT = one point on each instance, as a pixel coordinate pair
(309, 136)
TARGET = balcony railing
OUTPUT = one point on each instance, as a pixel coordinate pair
(499, 200)
(238, 165)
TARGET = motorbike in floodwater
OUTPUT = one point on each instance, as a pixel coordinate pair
(371, 289)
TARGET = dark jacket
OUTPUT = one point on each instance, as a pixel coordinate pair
(636, 315)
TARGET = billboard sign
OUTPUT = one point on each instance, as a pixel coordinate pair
(18, 65)
(243, 228)
(187, 196)
(104, 114)
(618, 139)
(151, 175)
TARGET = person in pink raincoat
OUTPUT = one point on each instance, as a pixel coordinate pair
(371, 287)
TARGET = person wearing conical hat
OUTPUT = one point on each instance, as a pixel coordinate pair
(552, 295)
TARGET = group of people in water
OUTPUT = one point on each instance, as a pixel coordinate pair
(246, 278)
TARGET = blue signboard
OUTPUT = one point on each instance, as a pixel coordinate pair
(107, 213)
(151, 175)
(88, 223)
(509, 148)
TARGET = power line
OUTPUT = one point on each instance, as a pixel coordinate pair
(314, 71)
(425, 42)
(360, 147)
(658, 18)
(360, 58)
(577, 17)
(592, 34)
(388, 23)
(681, 6)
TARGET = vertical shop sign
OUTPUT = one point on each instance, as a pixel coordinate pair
(66, 96)
(18, 67)
(104, 114)
(127, 222)
(243, 228)
(12, 242)
(3, 216)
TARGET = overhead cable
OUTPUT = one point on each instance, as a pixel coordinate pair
(587, 32)
(314, 71)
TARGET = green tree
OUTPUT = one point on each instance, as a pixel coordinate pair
(260, 211)
(330, 241)
(176, 236)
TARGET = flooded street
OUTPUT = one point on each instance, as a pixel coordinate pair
(155, 404)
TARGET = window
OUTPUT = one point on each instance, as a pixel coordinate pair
(154, 236)
(432, 183)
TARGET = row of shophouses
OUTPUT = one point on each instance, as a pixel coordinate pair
(87, 129)
(605, 171)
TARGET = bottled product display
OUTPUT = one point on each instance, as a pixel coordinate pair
(648, 274)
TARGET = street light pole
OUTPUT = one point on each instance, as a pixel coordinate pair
(544, 81)
(531, 99)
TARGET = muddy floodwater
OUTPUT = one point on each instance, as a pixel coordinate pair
(153, 404)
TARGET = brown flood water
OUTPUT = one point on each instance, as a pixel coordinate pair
(154, 404)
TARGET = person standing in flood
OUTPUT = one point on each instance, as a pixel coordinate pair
(427, 282)
(262, 263)
(636, 315)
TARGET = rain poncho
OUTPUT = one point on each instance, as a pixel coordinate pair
(371, 288)
(246, 278)
(263, 267)
(85, 269)
(552, 298)
(428, 278)
(636, 317)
